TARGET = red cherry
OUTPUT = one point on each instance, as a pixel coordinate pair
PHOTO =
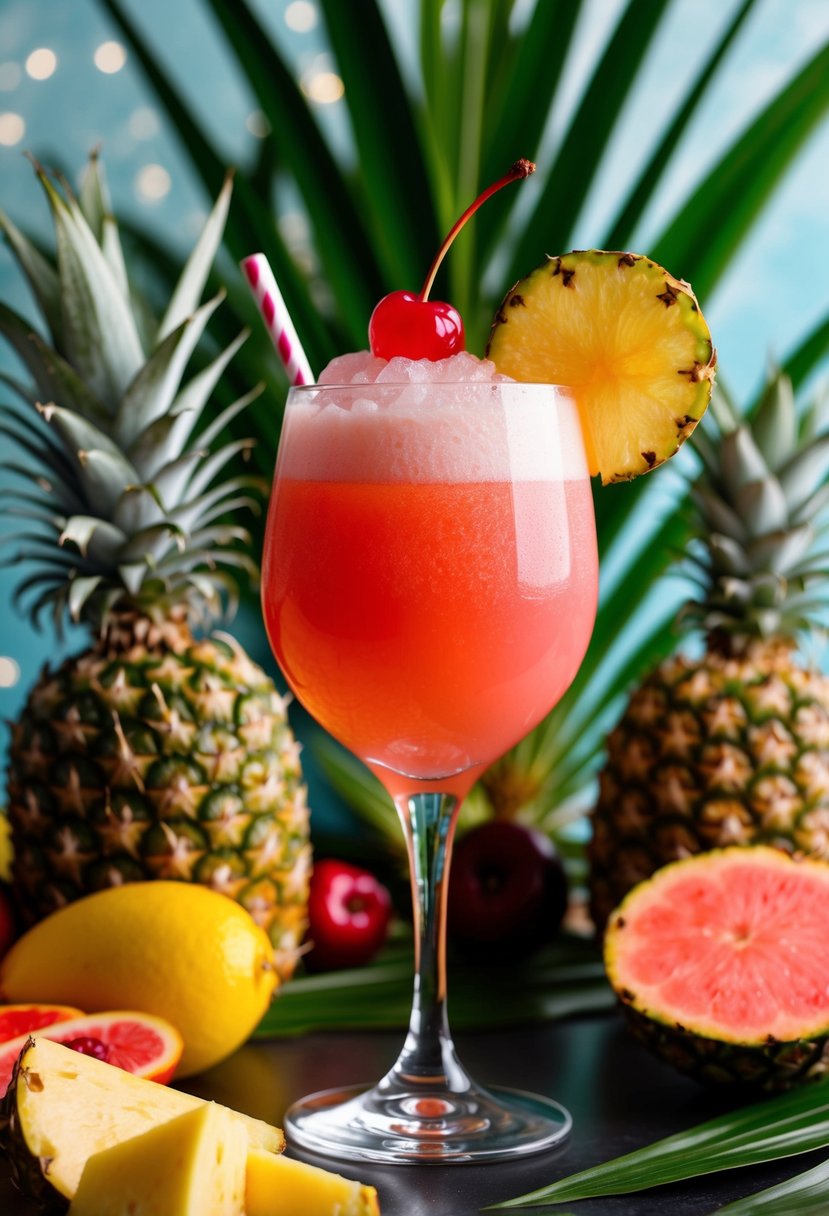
(412, 325)
(88, 1046)
(403, 324)
(348, 915)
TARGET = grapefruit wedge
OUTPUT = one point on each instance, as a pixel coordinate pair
(17, 1020)
(135, 1042)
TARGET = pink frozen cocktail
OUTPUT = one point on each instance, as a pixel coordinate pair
(430, 569)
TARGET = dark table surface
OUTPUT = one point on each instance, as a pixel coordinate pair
(619, 1096)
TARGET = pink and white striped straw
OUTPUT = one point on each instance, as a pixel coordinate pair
(277, 319)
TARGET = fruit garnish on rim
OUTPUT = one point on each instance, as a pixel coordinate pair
(627, 337)
(415, 326)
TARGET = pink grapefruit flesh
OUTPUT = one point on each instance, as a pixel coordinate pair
(731, 945)
(16, 1020)
(136, 1042)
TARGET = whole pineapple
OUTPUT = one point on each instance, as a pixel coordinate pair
(732, 747)
(153, 754)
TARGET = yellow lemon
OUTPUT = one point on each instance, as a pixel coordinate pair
(175, 949)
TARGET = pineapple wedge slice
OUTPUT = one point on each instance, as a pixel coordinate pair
(193, 1165)
(278, 1186)
(62, 1107)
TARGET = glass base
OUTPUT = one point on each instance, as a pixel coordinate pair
(359, 1124)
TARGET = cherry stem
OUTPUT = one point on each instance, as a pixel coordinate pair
(522, 168)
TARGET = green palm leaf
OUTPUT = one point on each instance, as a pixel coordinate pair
(785, 1126)
(803, 1195)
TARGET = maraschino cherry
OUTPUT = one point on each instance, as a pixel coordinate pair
(415, 326)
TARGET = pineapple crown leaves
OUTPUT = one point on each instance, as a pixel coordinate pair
(125, 486)
(761, 556)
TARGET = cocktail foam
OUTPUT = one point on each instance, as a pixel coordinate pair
(407, 420)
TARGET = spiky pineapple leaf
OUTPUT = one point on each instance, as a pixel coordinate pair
(774, 421)
(215, 462)
(150, 394)
(40, 274)
(94, 537)
(803, 1195)
(103, 477)
(56, 380)
(80, 589)
(99, 333)
(188, 291)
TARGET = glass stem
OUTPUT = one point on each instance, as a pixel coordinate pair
(428, 1057)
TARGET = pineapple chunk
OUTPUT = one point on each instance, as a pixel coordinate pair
(193, 1165)
(278, 1186)
(62, 1107)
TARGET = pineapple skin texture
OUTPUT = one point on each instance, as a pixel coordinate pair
(161, 757)
(724, 750)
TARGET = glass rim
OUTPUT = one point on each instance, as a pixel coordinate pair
(567, 389)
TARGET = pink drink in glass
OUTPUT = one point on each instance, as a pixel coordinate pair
(429, 616)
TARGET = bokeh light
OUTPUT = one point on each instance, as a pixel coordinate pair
(152, 183)
(9, 672)
(110, 57)
(12, 129)
(301, 16)
(41, 63)
(323, 87)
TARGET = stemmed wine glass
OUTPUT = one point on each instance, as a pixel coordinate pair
(429, 589)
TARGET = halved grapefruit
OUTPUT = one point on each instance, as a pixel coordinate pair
(17, 1020)
(721, 961)
(135, 1042)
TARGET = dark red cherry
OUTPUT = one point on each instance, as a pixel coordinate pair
(415, 326)
(403, 324)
